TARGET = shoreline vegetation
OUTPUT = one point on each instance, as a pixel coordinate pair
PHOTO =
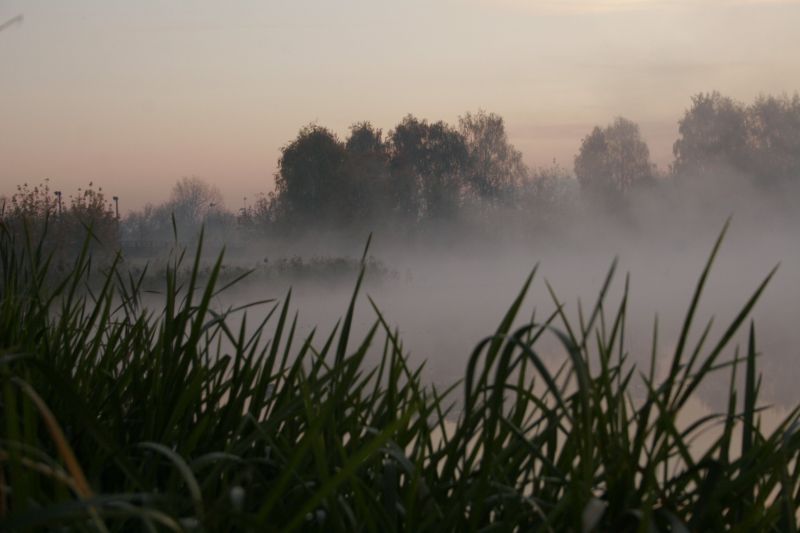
(427, 181)
(117, 417)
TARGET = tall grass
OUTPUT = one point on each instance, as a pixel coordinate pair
(117, 417)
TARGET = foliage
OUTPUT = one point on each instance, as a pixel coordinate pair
(36, 212)
(431, 174)
(35, 202)
(118, 417)
(546, 193)
(286, 270)
(773, 125)
(613, 160)
(89, 208)
(260, 216)
(428, 166)
(760, 141)
(495, 168)
(369, 175)
(712, 135)
(422, 171)
(193, 204)
(311, 183)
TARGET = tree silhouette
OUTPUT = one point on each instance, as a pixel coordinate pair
(773, 126)
(311, 184)
(193, 199)
(712, 136)
(428, 163)
(613, 160)
(368, 174)
(495, 167)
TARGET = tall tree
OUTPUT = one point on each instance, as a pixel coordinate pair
(495, 167)
(613, 160)
(367, 169)
(310, 184)
(712, 136)
(428, 163)
(773, 125)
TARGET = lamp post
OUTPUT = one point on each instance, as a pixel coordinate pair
(116, 206)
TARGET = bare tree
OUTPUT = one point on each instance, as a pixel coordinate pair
(193, 199)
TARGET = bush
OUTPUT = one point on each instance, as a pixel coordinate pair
(37, 214)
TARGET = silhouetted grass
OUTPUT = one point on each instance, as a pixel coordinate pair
(116, 417)
(295, 269)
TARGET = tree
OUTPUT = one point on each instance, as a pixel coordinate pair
(89, 209)
(37, 213)
(613, 160)
(367, 170)
(495, 167)
(773, 126)
(545, 194)
(712, 136)
(150, 223)
(261, 215)
(193, 199)
(311, 181)
(428, 163)
(30, 213)
(31, 203)
(193, 203)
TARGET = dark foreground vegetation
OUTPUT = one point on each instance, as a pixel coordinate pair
(116, 417)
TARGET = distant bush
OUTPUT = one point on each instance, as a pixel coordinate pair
(285, 269)
(62, 226)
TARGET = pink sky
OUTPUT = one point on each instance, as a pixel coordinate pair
(134, 95)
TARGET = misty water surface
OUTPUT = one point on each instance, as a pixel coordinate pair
(447, 296)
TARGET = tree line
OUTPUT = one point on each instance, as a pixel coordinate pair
(424, 172)
(420, 171)
(431, 170)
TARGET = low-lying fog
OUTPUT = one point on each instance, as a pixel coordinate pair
(452, 291)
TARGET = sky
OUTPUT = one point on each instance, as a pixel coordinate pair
(135, 95)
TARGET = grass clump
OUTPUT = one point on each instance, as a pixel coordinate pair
(117, 417)
(320, 270)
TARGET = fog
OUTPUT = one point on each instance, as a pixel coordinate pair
(448, 290)
(457, 222)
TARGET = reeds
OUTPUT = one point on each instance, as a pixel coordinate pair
(116, 417)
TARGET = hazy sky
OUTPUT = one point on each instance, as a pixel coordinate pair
(134, 95)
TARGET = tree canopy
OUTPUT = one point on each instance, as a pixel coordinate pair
(310, 183)
(495, 167)
(712, 135)
(613, 160)
(428, 165)
(424, 171)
